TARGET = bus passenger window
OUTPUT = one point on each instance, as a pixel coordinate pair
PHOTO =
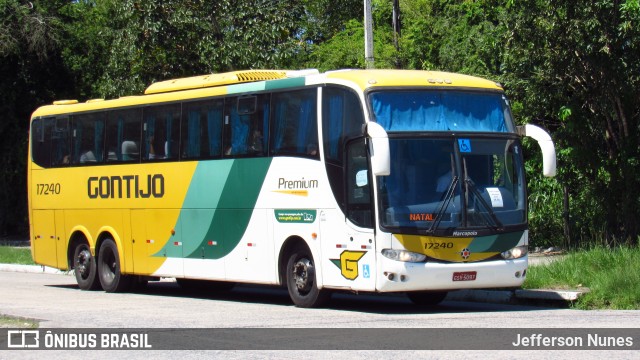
(123, 135)
(88, 137)
(201, 130)
(295, 123)
(161, 132)
(245, 125)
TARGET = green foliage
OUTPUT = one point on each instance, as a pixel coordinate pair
(136, 43)
(30, 40)
(611, 274)
(15, 255)
(569, 67)
(458, 36)
(574, 68)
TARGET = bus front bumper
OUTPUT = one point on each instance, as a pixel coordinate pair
(398, 276)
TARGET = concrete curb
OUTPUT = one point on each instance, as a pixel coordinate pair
(33, 269)
(519, 296)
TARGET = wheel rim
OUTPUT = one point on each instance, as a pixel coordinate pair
(303, 274)
(109, 267)
(83, 263)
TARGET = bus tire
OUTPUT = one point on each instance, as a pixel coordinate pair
(85, 268)
(301, 280)
(426, 298)
(111, 277)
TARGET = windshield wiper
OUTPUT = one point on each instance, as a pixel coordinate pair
(490, 214)
(448, 196)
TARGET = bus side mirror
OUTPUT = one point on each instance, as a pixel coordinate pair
(379, 149)
(546, 146)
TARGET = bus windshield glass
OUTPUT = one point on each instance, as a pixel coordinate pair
(437, 110)
(438, 185)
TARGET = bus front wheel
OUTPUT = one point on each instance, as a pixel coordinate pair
(301, 280)
(109, 272)
(84, 265)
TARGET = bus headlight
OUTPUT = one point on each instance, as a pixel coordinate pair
(403, 255)
(515, 253)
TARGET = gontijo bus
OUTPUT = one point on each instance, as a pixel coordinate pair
(357, 180)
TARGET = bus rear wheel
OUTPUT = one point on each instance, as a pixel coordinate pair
(426, 298)
(109, 271)
(84, 265)
(301, 280)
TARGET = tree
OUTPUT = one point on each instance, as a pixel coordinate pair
(30, 38)
(575, 67)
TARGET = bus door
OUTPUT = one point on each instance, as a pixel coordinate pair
(44, 241)
(348, 242)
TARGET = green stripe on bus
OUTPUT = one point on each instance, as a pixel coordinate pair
(245, 88)
(495, 243)
(218, 207)
(284, 83)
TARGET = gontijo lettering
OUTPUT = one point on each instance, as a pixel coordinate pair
(127, 186)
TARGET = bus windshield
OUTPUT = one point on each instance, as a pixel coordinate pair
(438, 185)
(437, 110)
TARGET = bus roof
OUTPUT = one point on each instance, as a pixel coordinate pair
(259, 80)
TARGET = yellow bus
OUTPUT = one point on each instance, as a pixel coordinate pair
(356, 180)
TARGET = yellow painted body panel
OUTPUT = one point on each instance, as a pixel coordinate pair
(211, 80)
(442, 248)
(111, 213)
(394, 78)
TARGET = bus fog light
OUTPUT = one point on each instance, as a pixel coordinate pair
(515, 253)
(403, 255)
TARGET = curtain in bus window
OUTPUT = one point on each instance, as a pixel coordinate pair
(305, 124)
(443, 111)
(193, 134)
(265, 123)
(280, 125)
(479, 112)
(214, 126)
(336, 103)
(60, 142)
(169, 146)
(151, 133)
(98, 136)
(239, 132)
(77, 141)
(120, 137)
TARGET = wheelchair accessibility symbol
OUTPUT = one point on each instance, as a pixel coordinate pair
(464, 145)
(365, 271)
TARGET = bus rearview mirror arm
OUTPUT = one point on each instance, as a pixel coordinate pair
(379, 149)
(546, 146)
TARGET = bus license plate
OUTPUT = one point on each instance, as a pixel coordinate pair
(464, 276)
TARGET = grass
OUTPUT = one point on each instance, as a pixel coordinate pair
(13, 322)
(611, 274)
(15, 255)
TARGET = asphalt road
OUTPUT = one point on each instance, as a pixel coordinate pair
(56, 302)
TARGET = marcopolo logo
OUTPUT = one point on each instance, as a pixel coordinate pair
(127, 186)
